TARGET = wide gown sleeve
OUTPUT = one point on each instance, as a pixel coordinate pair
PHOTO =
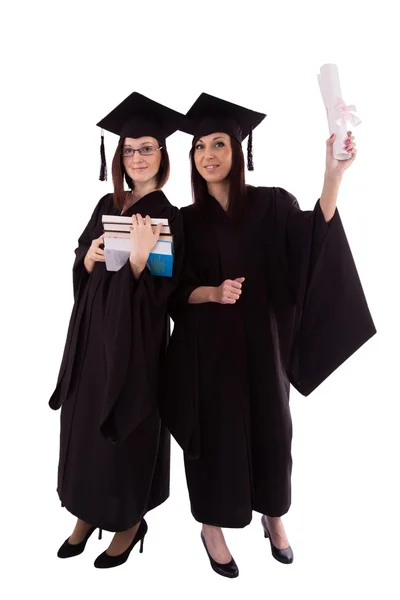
(332, 318)
(80, 277)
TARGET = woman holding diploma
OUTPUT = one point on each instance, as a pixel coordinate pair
(114, 452)
(269, 297)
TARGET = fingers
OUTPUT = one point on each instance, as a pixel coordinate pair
(97, 254)
(350, 144)
(157, 230)
(137, 221)
(349, 141)
(236, 283)
(229, 297)
(233, 294)
(228, 300)
(97, 242)
(349, 161)
(231, 290)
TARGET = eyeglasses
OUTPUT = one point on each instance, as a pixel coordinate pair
(143, 151)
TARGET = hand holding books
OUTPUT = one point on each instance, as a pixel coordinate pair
(143, 239)
(94, 254)
(149, 242)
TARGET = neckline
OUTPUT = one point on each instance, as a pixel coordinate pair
(145, 197)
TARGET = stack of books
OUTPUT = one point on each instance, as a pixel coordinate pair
(117, 245)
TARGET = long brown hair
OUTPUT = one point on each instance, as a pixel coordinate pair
(237, 185)
(119, 174)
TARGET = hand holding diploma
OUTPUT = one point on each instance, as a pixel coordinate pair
(341, 117)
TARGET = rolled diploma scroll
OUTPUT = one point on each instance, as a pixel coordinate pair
(339, 115)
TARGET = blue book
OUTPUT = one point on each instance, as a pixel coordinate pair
(161, 259)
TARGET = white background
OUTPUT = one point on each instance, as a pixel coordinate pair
(63, 67)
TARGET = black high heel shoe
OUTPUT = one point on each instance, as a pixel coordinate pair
(68, 550)
(283, 556)
(105, 561)
(229, 569)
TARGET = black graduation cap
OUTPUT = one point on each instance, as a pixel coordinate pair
(209, 114)
(138, 116)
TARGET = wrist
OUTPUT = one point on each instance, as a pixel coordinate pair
(138, 261)
(212, 295)
(88, 263)
(332, 180)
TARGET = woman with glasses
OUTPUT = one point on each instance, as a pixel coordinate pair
(114, 452)
(269, 296)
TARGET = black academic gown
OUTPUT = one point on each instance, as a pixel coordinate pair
(302, 313)
(114, 453)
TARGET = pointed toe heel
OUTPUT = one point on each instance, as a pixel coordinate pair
(68, 550)
(229, 569)
(283, 556)
(105, 561)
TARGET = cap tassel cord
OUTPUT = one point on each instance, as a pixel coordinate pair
(103, 166)
(250, 163)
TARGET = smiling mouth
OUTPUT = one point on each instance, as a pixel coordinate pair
(139, 168)
(211, 167)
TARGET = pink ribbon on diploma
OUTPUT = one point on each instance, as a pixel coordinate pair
(344, 114)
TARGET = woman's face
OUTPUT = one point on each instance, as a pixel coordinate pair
(213, 157)
(144, 166)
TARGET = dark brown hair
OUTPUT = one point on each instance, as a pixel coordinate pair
(119, 174)
(237, 185)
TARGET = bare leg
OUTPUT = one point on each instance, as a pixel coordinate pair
(216, 544)
(122, 540)
(78, 535)
(277, 532)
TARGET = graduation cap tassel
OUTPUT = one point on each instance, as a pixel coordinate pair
(250, 164)
(103, 166)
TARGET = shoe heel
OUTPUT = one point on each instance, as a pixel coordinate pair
(266, 534)
(100, 534)
(141, 545)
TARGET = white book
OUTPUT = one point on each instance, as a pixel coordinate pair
(127, 235)
(165, 230)
(124, 245)
(119, 223)
(121, 219)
